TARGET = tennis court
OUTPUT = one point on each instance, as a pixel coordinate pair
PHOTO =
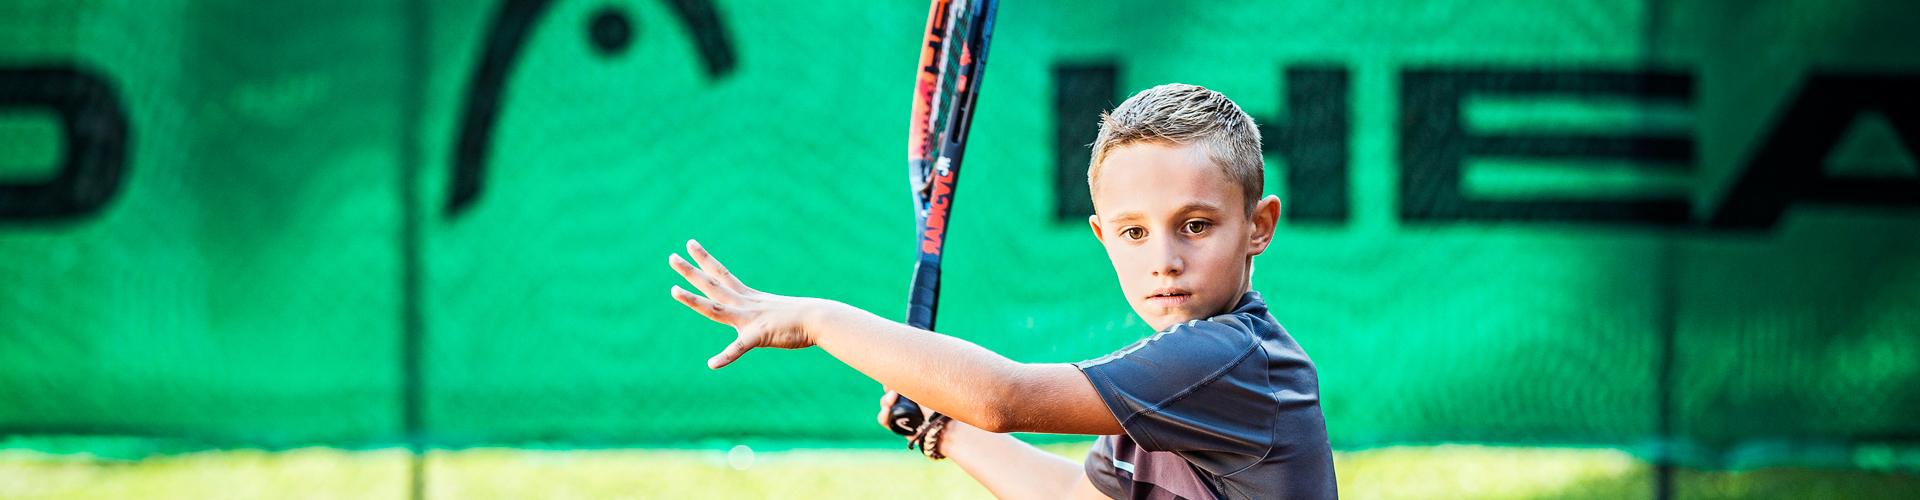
(1442, 472)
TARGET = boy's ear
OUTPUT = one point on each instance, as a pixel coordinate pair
(1266, 215)
(1094, 222)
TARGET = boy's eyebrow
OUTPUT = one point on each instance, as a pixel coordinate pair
(1127, 216)
(1198, 206)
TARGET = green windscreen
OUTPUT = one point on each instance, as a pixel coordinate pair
(1685, 227)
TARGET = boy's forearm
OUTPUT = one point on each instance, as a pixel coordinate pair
(956, 377)
(1008, 467)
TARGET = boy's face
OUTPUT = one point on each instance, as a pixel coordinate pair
(1177, 230)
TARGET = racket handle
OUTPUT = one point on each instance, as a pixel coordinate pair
(904, 417)
(923, 300)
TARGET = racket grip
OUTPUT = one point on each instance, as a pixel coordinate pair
(923, 300)
(904, 417)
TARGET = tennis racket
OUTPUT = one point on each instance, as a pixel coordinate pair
(952, 59)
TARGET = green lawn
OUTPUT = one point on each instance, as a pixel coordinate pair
(1430, 472)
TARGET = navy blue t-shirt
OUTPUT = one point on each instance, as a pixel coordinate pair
(1228, 407)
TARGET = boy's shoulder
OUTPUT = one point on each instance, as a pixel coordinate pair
(1221, 394)
(1232, 361)
(1239, 332)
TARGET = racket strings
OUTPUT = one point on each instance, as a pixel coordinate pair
(954, 61)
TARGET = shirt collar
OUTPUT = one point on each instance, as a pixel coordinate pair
(1250, 303)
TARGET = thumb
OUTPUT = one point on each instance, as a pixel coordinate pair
(733, 352)
(886, 408)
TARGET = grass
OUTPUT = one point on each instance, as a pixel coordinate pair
(1428, 472)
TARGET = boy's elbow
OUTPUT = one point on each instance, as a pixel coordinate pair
(996, 418)
(1005, 412)
(990, 422)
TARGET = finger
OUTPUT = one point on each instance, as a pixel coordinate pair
(715, 311)
(726, 357)
(713, 266)
(886, 407)
(701, 280)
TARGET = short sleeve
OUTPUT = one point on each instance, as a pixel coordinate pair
(1200, 386)
(1103, 471)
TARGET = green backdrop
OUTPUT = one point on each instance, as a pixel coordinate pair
(1520, 222)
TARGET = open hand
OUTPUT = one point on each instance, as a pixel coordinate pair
(762, 319)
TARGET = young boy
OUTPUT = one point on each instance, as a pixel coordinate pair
(1221, 403)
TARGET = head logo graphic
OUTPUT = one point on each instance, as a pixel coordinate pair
(1436, 144)
(95, 125)
(610, 30)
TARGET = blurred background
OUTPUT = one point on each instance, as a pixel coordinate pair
(390, 249)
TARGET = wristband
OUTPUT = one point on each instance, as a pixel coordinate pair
(927, 438)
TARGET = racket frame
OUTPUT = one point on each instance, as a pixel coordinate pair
(936, 144)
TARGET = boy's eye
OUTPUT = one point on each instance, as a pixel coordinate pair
(1197, 226)
(1133, 233)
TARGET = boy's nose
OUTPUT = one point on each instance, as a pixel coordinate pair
(1168, 263)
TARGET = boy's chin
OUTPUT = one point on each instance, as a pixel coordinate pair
(1160, 314)
(1162, 317)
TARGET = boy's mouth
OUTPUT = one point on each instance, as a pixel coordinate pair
(1169, 297)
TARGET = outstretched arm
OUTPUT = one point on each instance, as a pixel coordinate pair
(965, 381)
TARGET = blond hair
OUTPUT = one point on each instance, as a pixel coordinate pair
(1181, 114)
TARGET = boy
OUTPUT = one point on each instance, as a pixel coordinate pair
(1221, 403)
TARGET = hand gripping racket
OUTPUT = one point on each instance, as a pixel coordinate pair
(953, 56)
